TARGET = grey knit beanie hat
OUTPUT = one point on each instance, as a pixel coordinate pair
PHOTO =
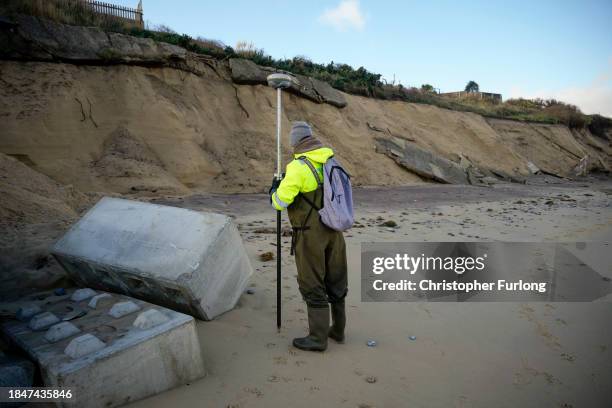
(299, 130)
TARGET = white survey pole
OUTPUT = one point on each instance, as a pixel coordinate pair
(278, 133)
(278, 82)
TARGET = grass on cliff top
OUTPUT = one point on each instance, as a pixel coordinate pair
(362, 82)
(365, 83)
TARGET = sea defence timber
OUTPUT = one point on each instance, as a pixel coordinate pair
(189, 261)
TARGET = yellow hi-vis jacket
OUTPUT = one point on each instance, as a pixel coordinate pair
(299, 177)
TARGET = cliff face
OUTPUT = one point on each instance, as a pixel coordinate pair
(554, 149)
(124, 115)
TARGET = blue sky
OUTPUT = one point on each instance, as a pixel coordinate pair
(542, 48)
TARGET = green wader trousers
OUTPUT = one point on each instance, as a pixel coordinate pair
(320, 253)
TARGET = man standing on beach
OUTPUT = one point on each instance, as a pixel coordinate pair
(320, 252)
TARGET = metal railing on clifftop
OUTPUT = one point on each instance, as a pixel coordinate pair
(83, 12)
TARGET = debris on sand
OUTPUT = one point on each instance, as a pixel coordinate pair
(389, 224)
(266, 256)
(265, 231)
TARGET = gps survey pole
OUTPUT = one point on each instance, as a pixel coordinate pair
(278, 81)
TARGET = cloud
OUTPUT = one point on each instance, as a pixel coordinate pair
(595, 97)
(345, 16)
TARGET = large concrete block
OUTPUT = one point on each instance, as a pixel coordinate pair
(109, 361)
(189, 261)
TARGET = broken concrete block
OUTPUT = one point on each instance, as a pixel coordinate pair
(533, 169)
(43, 320)
(93, 302)
(15, 371)
(61, 331)
(582, 168)
(123, 308)
(328, 93)
(189, 261)
(82, 294)
(421, 161)
(113, 361)
(149, 319)
(24, 313)
(83, 345)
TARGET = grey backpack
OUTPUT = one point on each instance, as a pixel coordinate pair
(337, 210)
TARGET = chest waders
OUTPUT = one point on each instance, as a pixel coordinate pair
(320, 257)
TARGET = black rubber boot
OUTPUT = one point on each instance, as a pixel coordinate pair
(336, 331)
(318, 323)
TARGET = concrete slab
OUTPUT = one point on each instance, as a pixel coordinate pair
(189, 261)
(110, 361)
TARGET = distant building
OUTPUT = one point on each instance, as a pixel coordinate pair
(493, 97)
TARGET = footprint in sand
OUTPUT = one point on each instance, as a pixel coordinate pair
(542, 329)
(254, 390)
(528, 374)
(568, 357)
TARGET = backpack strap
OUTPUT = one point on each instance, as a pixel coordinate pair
(303, 227)
(307, 162)
(313, 205)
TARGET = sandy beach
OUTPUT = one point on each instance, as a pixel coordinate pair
(464, 354)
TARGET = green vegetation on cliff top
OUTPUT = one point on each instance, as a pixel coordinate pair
(360, 81)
